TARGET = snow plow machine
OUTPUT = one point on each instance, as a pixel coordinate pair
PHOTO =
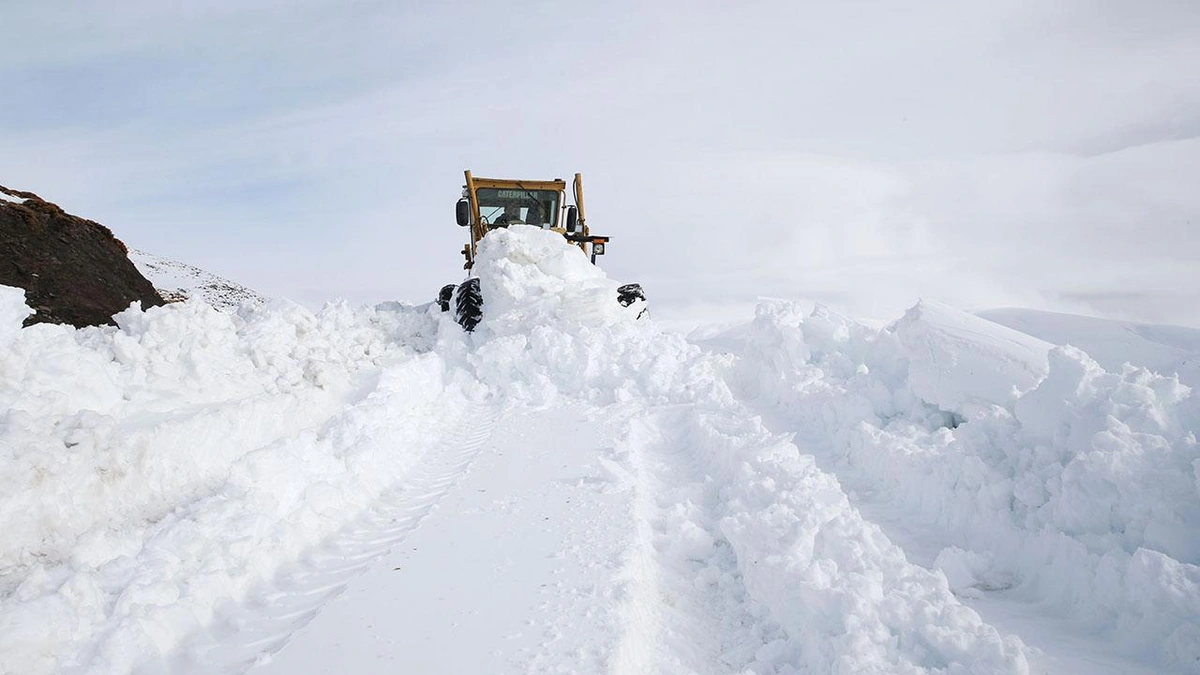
(491, 203)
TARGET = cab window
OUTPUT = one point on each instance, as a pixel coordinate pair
(501, 206)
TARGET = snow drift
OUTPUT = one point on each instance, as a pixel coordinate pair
(152, 469)
(1044, 473)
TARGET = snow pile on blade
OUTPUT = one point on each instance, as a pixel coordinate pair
(530, 276)
(1043, 472)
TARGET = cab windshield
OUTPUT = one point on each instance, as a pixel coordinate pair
(504, 206)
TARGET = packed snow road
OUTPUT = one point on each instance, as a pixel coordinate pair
(568, 489)
(245, 633)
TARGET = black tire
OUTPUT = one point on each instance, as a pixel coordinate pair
(629, 293)
(444, 295)
(468, 305)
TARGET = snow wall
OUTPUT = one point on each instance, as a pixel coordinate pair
(1049, 477)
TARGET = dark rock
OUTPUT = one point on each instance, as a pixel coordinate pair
(73, 270)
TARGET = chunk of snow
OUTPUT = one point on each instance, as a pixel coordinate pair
(957, 360)
(13, 312)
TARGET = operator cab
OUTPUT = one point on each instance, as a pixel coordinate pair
(490, 203)
(500, 207)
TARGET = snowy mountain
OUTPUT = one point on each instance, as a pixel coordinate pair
(569, 489)
(177, 281)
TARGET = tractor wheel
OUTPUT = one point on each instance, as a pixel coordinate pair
(468, 305)
(631, 293)
(444, 295)
(627, 294)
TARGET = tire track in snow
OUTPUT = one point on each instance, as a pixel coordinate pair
(686, 609)
(639, 613)
(248, 633)
(785, 576)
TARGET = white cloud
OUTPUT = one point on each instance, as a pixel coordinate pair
(985, 153)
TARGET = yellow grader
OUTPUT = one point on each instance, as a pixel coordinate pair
(491, 203)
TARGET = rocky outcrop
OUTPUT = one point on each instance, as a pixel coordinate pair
(73, 270)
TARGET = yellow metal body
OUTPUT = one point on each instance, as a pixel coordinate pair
(582, 236)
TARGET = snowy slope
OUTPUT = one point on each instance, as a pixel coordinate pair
(176, 280)
(569, 489)
(1163, 349)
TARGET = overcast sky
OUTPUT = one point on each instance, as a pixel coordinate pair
(863, 154)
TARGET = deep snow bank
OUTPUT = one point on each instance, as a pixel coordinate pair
(152, 470)
(1046, 473)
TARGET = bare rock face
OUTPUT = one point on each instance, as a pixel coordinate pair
(73, 270)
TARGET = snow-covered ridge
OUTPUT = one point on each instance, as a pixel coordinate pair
(1163, 349)
(13, 196)
(176, 281)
